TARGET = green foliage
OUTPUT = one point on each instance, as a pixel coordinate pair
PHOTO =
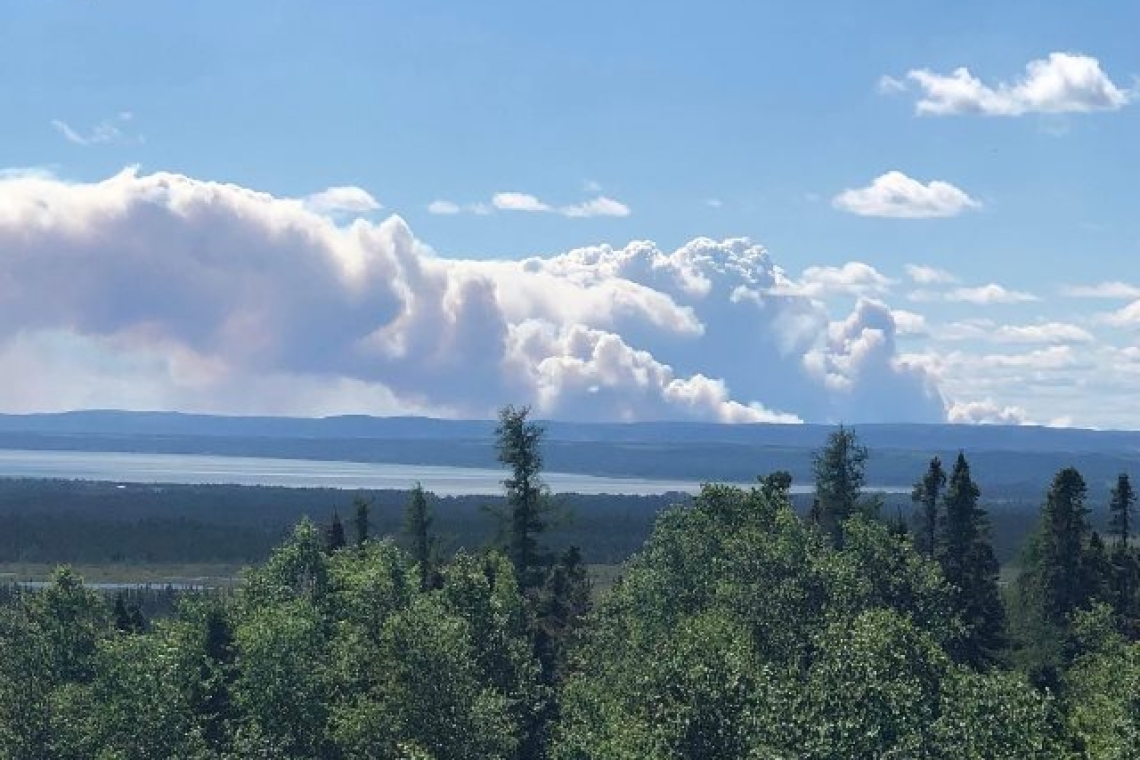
(733, 630)
(927, 494)
(517, 444)
(1121, 502)
(417, 525)
(839, 474)
(970, 567)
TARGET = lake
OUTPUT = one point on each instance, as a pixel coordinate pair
(134, 467)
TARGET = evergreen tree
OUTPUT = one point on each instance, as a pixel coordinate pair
(838, 470)
(1064, 534)
(1098, 569)
(213, 700)
(1120, 505)
(971, 568)
(335, 538)
(121, 616)
(1053, 584)
(361, 521)
(517, 444)
(926, 495)
(417, 523)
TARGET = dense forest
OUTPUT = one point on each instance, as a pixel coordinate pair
(742, 628)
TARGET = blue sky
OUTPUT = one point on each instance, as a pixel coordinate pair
(725, 120)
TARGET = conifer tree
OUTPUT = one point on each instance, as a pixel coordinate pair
(1064, 534)
(121, 615)
(1120, 505)
(971, 568)
(839, 474)
(517, 444)
(417, 523)
(335, 538)
(361, 521)
(927, 494)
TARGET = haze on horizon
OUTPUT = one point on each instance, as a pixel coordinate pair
(918, 216)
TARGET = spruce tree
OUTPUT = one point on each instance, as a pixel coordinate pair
(1120, 505)
(838, 470)
(361, 521)
(1064, 534)
(417, 523)
(517, 444)
(335, 538)
(121, 615)
(971, 568)
(926, 494)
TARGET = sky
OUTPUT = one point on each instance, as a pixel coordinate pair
(732, 211)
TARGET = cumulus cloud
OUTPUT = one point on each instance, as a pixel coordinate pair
(895, 195)
(853, 278)
(927, 275)
(1109, 290)
(1061, 83)
(985, 412)
(106, 131)
(910, 323)
(165, 291)
(342, 200)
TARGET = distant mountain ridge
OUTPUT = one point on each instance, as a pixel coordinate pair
(894, 435)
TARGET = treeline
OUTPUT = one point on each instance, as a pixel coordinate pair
(76, 522)
(740, 630)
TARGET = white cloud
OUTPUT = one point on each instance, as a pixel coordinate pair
(988, 294)
(927, 275)
(985, 413)
(888, 85)
(895, 195)
(342, 200)
(1114, 289)
(512, 201)
(981, 295)
(1061, 83)
(853, 278)
(986, 330)
(106, 131)
(1129, 316)
(1045, 332)
(166, 291)
(714, 202)
(910, 323)
(600, 206)
(443, 207)
(525, 202)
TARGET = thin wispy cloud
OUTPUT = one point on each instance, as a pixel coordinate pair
(927, 275)
(895, 195)
(1061, 83)
(106, 131)
(991, 293)
(514, 201)
(1108, 290)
